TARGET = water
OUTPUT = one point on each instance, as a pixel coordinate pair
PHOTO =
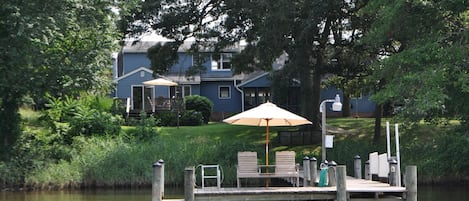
(425, 193)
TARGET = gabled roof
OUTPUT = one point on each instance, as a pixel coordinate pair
(174, 78)
(183, 79)
(133, 72)
(142, 47)
(253, 77)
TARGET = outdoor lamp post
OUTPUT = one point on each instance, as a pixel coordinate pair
(336, 107)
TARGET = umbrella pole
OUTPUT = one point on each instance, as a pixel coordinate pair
(267, 152)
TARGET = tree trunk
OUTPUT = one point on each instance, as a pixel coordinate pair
(306, 101)
(346, 105)
(378, 116)
(316, 98)
(9, 124)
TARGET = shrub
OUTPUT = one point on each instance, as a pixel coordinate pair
(191, 118)
(145, 128)
(90, 121)
(201, 104)
(166, 119)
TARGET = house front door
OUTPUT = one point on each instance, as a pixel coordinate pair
(140, 98)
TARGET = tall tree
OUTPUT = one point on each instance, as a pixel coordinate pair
(300, 28)
(424, 63)
(51, 46)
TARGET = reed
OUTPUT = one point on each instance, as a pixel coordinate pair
(114, 161)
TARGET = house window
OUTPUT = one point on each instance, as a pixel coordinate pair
(224, 92)
(255, 96)
(221, 61)
(180, 91)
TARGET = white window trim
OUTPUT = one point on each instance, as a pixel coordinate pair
(184, 91)
(219, 91)
(220, 61)
(143, 93)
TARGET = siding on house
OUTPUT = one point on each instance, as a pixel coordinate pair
(133, 68)
(222, 105)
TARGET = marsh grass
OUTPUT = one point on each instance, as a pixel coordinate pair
(126, 161)
(122, 161)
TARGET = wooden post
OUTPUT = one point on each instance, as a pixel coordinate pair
(306, 177)
(332, 174)
(157, 183)
(161, 161)
(411, 183)
(367, 170)
(189, 184)
(341, 184)
(313, 168)
(358, 166)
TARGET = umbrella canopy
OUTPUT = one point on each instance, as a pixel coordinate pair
(267, 114)
(160, 82)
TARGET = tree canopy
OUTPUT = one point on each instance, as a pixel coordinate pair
(56, 47)
(415, 50)
(302, 29)
(424, 50)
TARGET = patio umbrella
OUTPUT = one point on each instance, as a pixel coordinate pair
(160, 82)
(267, 114)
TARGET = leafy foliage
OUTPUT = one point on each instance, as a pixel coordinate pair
(167, 119)
(201, 104)
(53, 46)
(71, 117)
(300, 29)
(424, 63)
(145, 128)
(192, 118)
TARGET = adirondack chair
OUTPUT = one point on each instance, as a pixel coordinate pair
(247, 166)
(285, 166)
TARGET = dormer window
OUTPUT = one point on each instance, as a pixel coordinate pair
(221, 61)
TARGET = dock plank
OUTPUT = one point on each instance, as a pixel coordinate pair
(294, 193)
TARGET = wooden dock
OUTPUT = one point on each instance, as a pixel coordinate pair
(357, 189)
(344, 189)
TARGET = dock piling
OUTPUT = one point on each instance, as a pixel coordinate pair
(367, 170)
(189, 183)
(332, 174)
(306, 176)
(161, 161)
(341, 173)
(157, 184)
(313, 168)
(357, 161)
(411, 183)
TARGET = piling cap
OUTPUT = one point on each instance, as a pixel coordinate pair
(161, 161)
(357, 157)
(332, 163)
(305, 158)
(157, 164)
(313, 159)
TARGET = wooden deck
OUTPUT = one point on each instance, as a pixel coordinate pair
(358, 189)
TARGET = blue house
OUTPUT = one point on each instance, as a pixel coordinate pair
(229, 93)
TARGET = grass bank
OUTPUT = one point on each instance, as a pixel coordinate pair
(126, 161)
